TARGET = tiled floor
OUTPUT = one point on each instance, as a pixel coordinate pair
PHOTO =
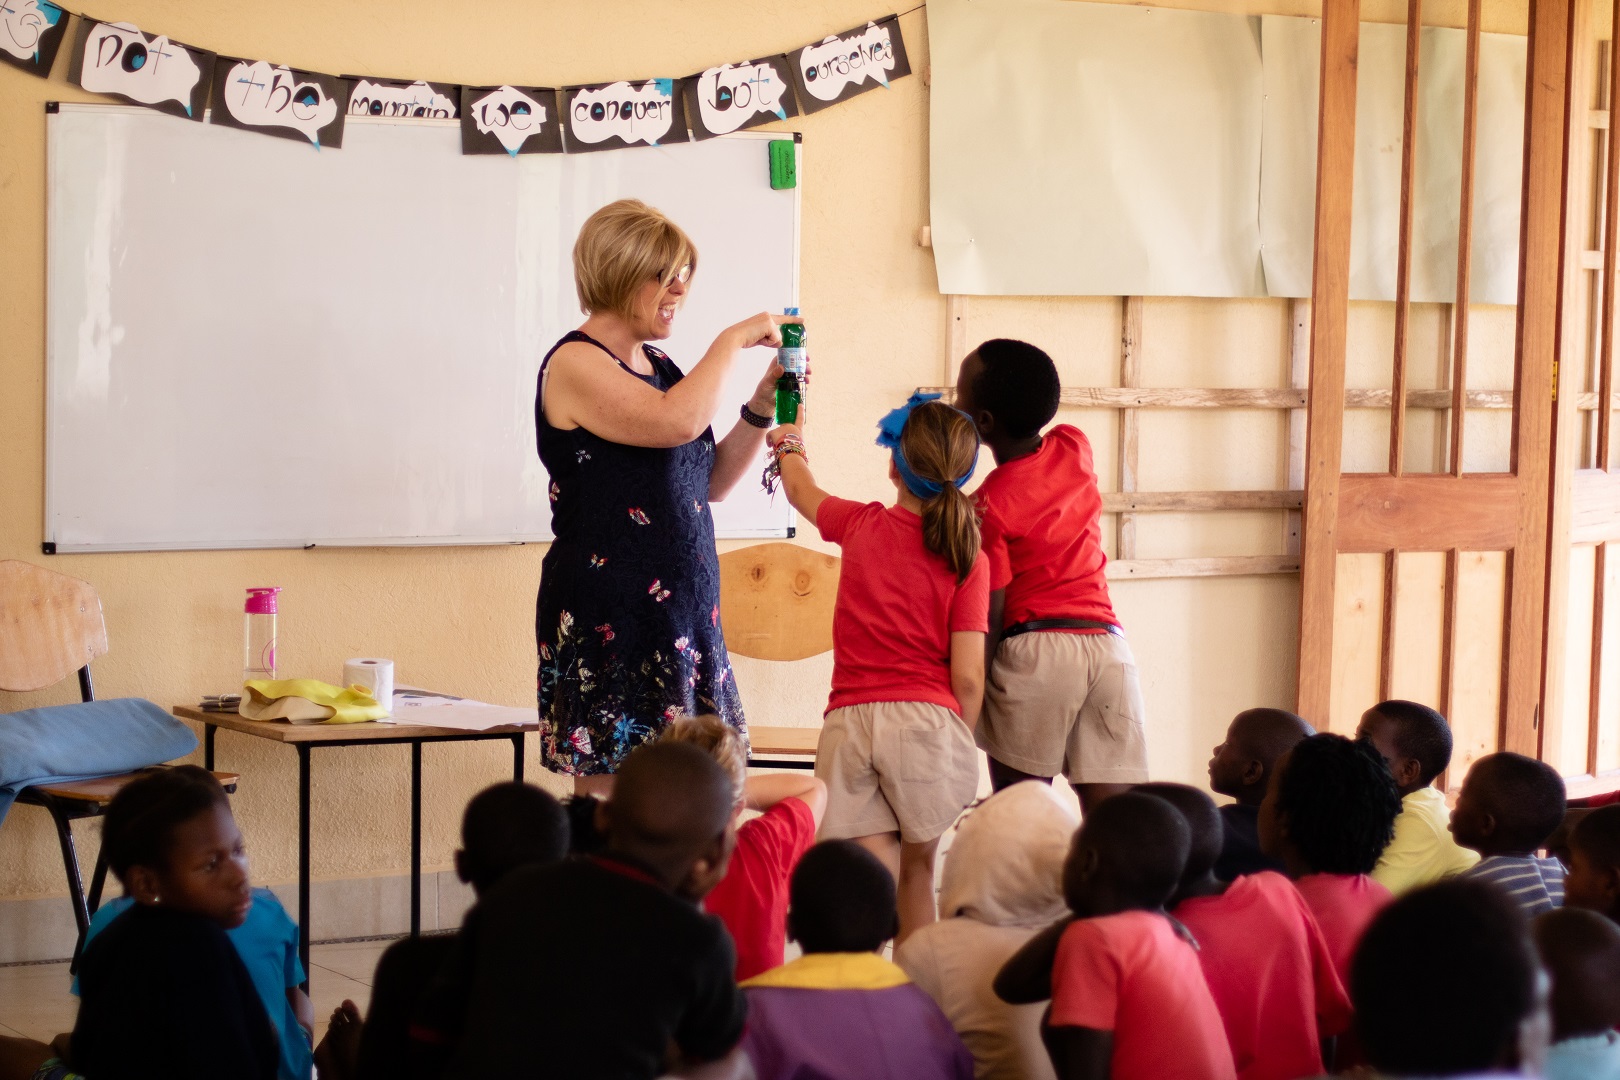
(35, 1002)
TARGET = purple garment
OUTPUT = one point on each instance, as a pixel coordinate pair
(892, 1034)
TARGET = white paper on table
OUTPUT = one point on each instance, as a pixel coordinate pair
(418, 708)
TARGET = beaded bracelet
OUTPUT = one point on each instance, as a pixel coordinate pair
(790, 445)
(751, 417)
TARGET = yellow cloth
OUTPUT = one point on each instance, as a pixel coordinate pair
(832, 971)
(308, 701)
(1422, 851)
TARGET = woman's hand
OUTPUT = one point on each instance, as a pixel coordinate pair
(775, 436)
(764, 329)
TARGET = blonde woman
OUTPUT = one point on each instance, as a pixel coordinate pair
(628, 617)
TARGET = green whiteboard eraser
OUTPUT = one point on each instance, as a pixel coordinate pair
(784, 165)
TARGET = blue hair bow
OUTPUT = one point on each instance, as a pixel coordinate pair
(889, 429)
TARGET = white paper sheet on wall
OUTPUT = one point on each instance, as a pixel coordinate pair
(1292, 61)
(1106, 150)
(1092, 149)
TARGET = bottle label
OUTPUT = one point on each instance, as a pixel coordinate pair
(793, 359)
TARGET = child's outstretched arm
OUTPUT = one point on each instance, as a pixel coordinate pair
(797, 480)
(765, 790)
(1078, 1053)
(1026, 977)
(967, 673)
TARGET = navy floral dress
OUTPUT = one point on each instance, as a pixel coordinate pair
(628, 617)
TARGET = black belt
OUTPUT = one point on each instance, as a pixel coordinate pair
(1060, 624)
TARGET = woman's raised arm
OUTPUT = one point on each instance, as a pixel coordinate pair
(585, 388)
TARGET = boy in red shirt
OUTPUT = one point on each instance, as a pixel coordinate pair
(1061, 687)
(1279, 1001)
(1129, 1001)
(752, 899)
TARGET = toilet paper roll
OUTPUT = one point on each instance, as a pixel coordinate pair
(375, 675)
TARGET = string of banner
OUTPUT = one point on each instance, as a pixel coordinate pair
(117, 59)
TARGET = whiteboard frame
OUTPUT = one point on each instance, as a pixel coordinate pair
(51, 546)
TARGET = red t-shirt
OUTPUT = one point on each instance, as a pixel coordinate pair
(1278, 1000)
(898, 604)
(1041, 533)
(752, 898)
(1343, 905)
(1133, 975)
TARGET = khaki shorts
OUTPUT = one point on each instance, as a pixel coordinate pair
(895, 766)
(1070, 703)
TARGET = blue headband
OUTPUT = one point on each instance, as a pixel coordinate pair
(889, 429)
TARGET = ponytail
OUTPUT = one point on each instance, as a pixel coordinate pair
(940, 445)
(951, 529)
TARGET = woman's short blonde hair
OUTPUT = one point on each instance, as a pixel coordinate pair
(719, 740)
(620, 248)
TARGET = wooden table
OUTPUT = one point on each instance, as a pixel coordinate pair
(306, 737)
(783, 747)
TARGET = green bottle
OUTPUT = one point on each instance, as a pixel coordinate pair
(792, 357)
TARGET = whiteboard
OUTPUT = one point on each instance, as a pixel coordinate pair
(254, 343)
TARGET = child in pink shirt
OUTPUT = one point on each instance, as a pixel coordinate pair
(1129, 1001)
(1328, 813)
(1278, 1002)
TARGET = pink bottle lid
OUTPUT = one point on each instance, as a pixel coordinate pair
(261, 601)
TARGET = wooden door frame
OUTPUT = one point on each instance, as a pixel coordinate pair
(1379, 512)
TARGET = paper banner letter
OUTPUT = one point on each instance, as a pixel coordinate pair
(117, 59)
(620, 114)
(510, 120)
(398, 98)
(850, 63)
(260, 96)
(732, 97)
(30, 33)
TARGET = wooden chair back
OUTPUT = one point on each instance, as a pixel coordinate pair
(776, 601)
(50, 626)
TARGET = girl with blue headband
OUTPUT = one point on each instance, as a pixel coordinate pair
(896, 749)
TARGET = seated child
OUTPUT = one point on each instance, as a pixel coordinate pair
(841, 1010)
(1061, 689)
(1240, 769)
(1280, 1001)
(752, 898)
(1508, 807)
(1328, 813)
(1003, 881)
(1129, 1001)
(1593, 881)
(597, 967)
(505, 826)
(267, 941)
(1581, 951)
(162, 990)
(1415, 742)
(896, 748)
(1446, 984)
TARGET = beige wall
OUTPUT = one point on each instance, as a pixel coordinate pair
(461, 618)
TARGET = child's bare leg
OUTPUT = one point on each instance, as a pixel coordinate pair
(20, 1058)
(1005, 776)
(1092, 794)
(599, 786)
(338, 1055)
(886, 846)
(918, 906)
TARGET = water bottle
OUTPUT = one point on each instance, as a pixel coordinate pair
(259, 634)
(794, 361)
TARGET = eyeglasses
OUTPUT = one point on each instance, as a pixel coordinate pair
(682, 275)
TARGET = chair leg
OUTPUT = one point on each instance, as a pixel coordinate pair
(70, 862)
(98, 881)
